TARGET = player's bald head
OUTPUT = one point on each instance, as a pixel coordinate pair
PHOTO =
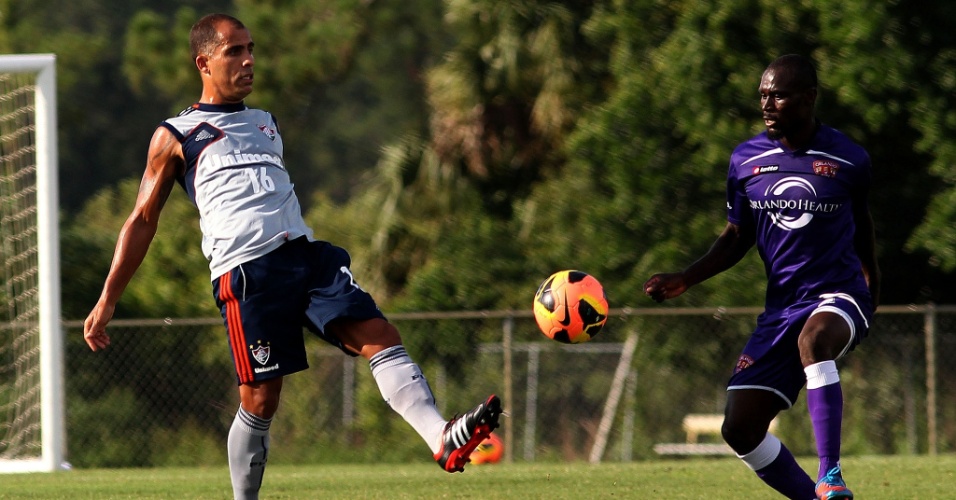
(796, 69)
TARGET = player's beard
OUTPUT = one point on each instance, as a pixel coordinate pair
(775, 133)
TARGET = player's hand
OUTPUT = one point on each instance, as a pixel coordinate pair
(94, 328)
(663, 286)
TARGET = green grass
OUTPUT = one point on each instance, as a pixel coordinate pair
(869, 477)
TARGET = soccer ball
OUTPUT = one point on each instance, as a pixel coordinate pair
(570, 307)
(489, 451)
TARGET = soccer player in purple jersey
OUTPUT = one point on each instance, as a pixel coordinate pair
(799, 192)
(277, 279)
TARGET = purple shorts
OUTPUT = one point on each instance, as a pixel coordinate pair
(771, 359)
(266, 302)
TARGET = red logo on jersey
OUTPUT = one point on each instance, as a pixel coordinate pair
(269, 131)
(825, 168)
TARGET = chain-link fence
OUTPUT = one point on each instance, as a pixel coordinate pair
(164, 393)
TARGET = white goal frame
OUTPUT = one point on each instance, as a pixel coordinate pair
(52, 392)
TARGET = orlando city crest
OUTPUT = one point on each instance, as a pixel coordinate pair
(825, 168)
(743, 362)
(268, 131)
(261, 353)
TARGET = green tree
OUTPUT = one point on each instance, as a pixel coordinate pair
(462, 151)
(884, 86)
(630, 151)
(173, 280)
(509, 91)
(343, 78)
(504, 99)
(931, 50)
(104, 126)
(685, 94)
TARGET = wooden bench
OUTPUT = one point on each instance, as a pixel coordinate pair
(695, 425)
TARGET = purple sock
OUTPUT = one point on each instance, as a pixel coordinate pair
(775, 465)
(825, 405)
(785, 475)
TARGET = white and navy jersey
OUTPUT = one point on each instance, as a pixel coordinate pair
(801, 205)
(236, 177)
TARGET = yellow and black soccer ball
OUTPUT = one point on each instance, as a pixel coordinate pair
(570, 307)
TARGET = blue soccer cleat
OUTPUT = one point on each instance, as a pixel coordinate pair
(832, 486)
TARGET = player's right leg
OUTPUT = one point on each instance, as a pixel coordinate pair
(264, 330)
(746, 421)
(248, 441)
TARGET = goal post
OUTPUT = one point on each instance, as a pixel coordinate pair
(32, 401)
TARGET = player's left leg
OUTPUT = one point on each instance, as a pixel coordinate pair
(399, 378)
(343, 314)
(406, 391)
(829, 333)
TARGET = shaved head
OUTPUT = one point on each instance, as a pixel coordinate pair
(798, 70)
(204, 35)
(788, 95)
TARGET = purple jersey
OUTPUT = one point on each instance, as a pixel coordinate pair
(801, 205)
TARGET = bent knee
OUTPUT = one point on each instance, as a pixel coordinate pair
(387, 334)
(742, 436)
(366, 337)
(823, 338)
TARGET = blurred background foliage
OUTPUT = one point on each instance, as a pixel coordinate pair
(462, 150)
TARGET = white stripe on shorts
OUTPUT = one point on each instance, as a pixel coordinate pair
(825, 307)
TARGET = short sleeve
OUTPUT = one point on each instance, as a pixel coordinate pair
(738, 204)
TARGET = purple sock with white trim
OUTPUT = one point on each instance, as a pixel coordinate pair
(825, 405)
(775, 465)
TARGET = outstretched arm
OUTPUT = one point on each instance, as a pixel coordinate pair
(164, 162)
(731, 246)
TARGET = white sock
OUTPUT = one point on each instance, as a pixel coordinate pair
(407, 392)
(821, 374)
(248, 450)
(763, 454)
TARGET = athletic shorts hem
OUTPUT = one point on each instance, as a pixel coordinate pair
(271, 373)
(763, 388)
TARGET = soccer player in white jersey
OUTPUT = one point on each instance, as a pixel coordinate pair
(799, 193)
(270, 278)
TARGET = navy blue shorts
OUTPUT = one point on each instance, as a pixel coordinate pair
(265, 304)
(771, 359)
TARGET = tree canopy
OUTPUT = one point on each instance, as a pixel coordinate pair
(463, 150)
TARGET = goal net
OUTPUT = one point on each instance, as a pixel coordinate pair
(31, 344)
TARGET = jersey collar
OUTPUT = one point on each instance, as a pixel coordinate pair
(220, 108)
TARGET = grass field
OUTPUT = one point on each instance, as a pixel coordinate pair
(869, 477)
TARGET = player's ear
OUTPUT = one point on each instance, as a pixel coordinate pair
(202, 64)
(811, 94)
